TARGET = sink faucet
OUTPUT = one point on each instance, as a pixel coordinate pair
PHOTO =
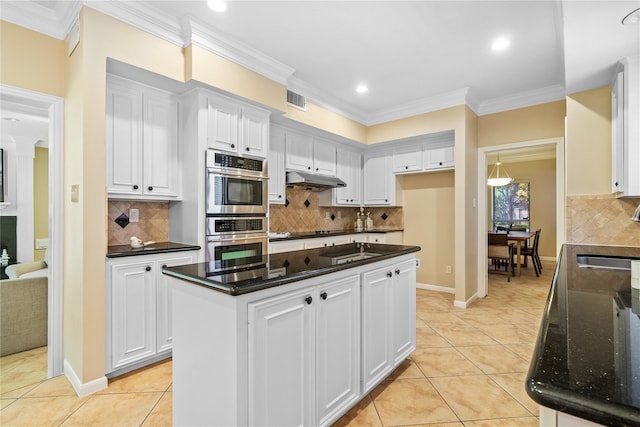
(636, 215)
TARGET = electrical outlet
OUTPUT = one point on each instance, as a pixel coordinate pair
(134, 215)
(448, 269)
(417, 262)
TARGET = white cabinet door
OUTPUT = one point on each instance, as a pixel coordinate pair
(379, 181)
(254, 133)
(124, 139)
(317, 242)
(438, 158)
(281, 360)
(160, 148)
(222, 123)
(409, 159)
(404, 310)
(298, 152)
(337, 346)
(349, 169)
(376, 326)
(276, 168)
(164, 312)
(324, 157)
(286, 246)
(133, 313)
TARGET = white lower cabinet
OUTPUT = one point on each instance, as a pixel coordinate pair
(139, 309)
(388, 320)
(304, 354)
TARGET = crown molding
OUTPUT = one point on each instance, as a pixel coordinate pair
(203, 36)
(522, 100)
(54, 22)
(137, 14)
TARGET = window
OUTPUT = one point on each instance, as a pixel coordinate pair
(511, 205)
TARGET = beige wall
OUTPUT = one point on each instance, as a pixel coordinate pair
(542, 177)
(429, 200)
(589, 142)
(523, 124)
(40, 198)
(31, 60)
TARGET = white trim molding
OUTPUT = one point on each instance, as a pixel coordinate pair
(436, 288)
(467, 303)
(84, 389)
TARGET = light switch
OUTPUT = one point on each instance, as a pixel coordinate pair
(75, 193)
(134, 215)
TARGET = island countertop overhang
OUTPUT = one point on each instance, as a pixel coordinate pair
(287, 267)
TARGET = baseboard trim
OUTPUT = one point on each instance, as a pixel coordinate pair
(84, 389)
(436, 288)
(467, 303)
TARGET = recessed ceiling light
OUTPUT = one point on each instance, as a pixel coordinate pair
(632, 18)
(362, 88)
(217, 5)
(500, 44)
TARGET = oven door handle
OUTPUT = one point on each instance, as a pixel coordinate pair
(231, 239)
(238, 174)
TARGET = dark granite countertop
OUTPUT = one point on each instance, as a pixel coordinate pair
(287, 267)
(116, 251)
(587, 358)
(312, 234)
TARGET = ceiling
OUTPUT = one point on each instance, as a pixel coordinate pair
(414, 56)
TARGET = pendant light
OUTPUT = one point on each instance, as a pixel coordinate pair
(495, 180)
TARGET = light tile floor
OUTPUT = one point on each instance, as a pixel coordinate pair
(468, 370)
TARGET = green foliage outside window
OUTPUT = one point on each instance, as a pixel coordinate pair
(511, 206)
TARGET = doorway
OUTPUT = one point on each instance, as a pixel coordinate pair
(53, 106)
(556, 144)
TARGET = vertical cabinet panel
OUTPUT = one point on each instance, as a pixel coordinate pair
(133, 313)
(222, 124)
(275, 163)
(281, 360)
(379, 181)
(164, 311)
(404, 311)
(338, 346)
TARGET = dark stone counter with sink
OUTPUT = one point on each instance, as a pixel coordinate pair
(116, 251)
(587, 358)
(286, 267)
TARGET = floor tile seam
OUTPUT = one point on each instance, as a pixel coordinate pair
(492, 373)
(512, 396)
(33, 387)
(467, 422)
(375, 408)
(153, 407)
(77, 409)
(103, 393)
(445, 400)
(15, 399)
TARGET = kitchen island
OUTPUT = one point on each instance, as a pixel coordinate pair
(297, 341)
(586, 364)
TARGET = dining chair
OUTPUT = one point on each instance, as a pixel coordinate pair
(532, 251)
(500, 252)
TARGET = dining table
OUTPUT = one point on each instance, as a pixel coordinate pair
(517, 237)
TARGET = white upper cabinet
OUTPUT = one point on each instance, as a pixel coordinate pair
(379, 180)
(438, 157)
(142, 144)
(236, 127)
(324, 157)
(275, 165)
(306, 153)
(407, 159)
(625, 128)
(348, 169)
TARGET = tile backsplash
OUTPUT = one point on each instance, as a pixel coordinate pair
(302, 214)
(602, 220)
(153, 222)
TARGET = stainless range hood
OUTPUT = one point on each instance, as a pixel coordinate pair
(308, 181)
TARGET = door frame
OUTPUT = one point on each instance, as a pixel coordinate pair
(54, 106)
(559, 142)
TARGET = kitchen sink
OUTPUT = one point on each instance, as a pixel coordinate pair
(606, 262)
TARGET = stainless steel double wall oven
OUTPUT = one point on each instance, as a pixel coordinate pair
(236, 208)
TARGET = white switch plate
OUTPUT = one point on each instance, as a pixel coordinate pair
(134, 215)
(42, 243)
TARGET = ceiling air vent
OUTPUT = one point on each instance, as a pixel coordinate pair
(297, 100)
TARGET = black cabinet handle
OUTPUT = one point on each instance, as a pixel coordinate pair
(389, 274)
(386, 200)
(397, 271)
(440, 163)
(406, 167)
(164, 265)
(308, 167)
(147, 268)
(323, 295)
(135, 187)
(279, 196)
(233, 145)
(616, 184)
(150, 188)
(248, 149)
(308, 300)
(317, 169)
